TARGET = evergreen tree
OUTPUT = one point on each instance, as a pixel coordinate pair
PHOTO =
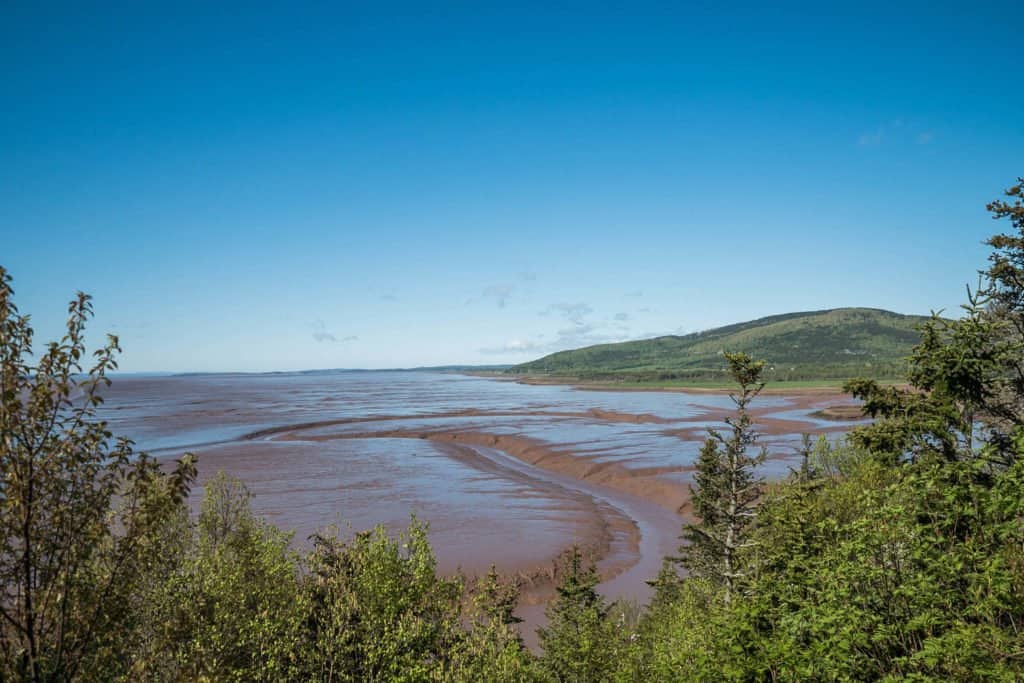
(967, 375)
(496, 598)
(492, 651)
(1004, 293)
(1005, 273)
(576, 641)
(899, 557)
(727, 488)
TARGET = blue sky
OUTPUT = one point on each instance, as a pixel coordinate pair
(272, 187)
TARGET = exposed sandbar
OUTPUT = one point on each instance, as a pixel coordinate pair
(644, 483)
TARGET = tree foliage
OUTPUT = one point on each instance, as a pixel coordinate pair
(81, 513)
(378, 611)
(895, 555)
(898, 555)
(726, 489)
(966, 375)
(577, 641)
(492, 651)
(231, 610)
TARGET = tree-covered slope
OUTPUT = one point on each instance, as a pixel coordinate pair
(833, 344)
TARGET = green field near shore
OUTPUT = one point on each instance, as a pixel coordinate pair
(710, 385)
(801, 350)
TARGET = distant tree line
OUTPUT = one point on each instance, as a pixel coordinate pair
(897, 554)
(839, 372)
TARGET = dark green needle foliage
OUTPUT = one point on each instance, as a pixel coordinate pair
(727, 487)
(577, 641)
(898, 555)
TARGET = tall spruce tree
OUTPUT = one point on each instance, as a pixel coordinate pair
(898, 555)
(1004, 294)
(727, 488)
(576, 641)
(967, 374)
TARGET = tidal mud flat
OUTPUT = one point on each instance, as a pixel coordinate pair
(504, 473)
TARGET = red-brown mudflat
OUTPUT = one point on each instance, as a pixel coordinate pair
(503, 473)
(608, 533)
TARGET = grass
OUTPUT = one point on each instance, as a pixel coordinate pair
(820, 347)
(710, 385)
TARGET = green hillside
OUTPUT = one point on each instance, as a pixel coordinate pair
(818, 345)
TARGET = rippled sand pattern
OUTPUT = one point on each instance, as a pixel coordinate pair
(504, 472)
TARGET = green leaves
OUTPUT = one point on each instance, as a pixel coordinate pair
(897, 557)
(378, 611)
(80, 516)
(231, 608)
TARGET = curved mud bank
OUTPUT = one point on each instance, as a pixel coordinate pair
(633, 504)
(626, 564)
(652, 505)
(641, 482)
(633, 524)
(480, 460)
(479, 513)
(593, 413)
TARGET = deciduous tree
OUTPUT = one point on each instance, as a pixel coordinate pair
(81, 513)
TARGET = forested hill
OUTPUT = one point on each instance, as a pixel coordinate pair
(834, 344)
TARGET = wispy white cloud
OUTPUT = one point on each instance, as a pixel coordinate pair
(573, 312)
(499, 293)
(895, 131)
(513, 346)
(584, 328)
(320, 333)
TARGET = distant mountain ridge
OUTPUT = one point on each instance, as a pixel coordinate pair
(833, 344)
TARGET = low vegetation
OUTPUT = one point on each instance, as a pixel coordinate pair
(819, 346)
(897, 555)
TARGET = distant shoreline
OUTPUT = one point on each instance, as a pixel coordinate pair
(795, 388)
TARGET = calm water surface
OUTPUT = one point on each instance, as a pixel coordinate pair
(481, 509)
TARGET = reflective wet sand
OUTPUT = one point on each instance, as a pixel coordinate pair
(505, 473)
